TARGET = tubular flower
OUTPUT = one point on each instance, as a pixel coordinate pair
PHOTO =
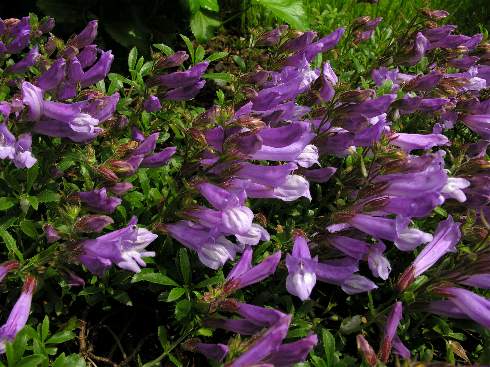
(19, 314)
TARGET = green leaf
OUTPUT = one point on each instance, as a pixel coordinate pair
(156, 278)
(329, 347)
(7, 203)
(45, 328)
(175, 294)
(164, 48)
(29, 228)
(199, 56)
(163, 336)
(144, 182)
(194, 5)
(32, 174)
(189, 45)
(240, 62)
(185, 266)
(122, 297)
(289, 11)
(211, 5)
(217, 279)
(33, 201)
(219, 76)
(31, 361)
(11, 244)
(48, 197)
(132, 58)
(216, 56)
(182, 309)
(146, 68)
(202, 26)
(61, 337)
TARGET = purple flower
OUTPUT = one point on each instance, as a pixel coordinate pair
(98, 200)
(390, 331)
(23, 157)
(86, 36)
(7, 143)
(378, 264)
(259, 316)
(16, 150)
(300, 42)
(320, 175)
(351, 247)
(172, 61)
(185, 93)
(480, 124)
(301, 268)
(93, 223)
(308, 157)
(420, 46)
(6, 267)
(272, 37)
(76, 121)
(19, 314)
(396, 230)
(446, 237)
(292, 188)
(29, 60)
(409, 142)
(158, 159)
(468, 303)
(357, 284)
(51, 233)
(214, 253)
(336, 271)
(124, 247)
(255, 234)
(329, 79)
(212, 351)
(478, 281)
(243, 274)
(20, 35)
(453, 189)
(51, 78)
(265, 175)
(182, 79)
(366, 30)
(147, 146)
(264, 345)
(322, 45)
(120, 188)
(87, 56)
(152, 104)
(291, 353)
(98, 71)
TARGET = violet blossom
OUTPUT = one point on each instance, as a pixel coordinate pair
(124, 247)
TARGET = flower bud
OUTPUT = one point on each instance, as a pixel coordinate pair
(120, 188)
(107, 173)
(51, 233)
(356, 96)
(366, 350)
(93, 223)
(434, 14)
(171, 61)
(119, 166)
(361, 20)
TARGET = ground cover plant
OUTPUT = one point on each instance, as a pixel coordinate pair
(302, 198)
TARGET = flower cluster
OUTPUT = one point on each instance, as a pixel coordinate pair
(385, 155)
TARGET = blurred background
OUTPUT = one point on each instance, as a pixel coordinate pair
(128, 23)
